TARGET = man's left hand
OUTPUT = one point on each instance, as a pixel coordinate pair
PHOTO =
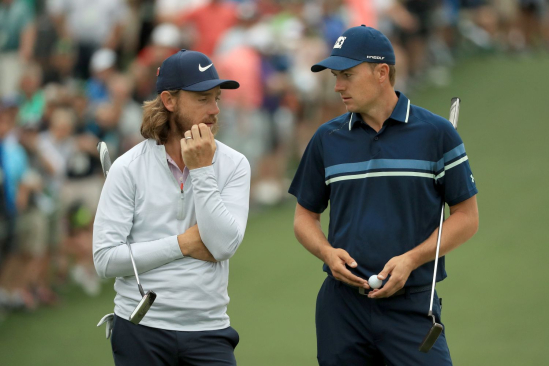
(198, 147)
(399, 268)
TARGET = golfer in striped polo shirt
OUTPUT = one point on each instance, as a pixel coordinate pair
(384, 167)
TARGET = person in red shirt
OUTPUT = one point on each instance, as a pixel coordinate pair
(210, 22)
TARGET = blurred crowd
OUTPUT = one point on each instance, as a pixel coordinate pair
(75, 72)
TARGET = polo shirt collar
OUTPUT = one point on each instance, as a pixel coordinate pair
(402, 109)
(401, 113)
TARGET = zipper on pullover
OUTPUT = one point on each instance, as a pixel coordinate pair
(180, 205)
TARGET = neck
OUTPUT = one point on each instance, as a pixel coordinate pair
(380, 110)
(173, 148)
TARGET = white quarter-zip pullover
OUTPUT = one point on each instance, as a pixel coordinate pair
(142, 204)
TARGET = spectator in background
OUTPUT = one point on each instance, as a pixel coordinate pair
(242, 123)
(168, 11)
(33, 98)
(17, 38)
(209, 23)
(33, 226)
(90, 25)
(13, 167)
(533, 21)
(61, 63)
(105, 127)
(165, 41)
(102, 68)
(130, 112)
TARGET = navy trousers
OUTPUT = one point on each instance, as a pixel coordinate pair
(138, 345)
(353, 329)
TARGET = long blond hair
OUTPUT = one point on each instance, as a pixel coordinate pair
(156, 119)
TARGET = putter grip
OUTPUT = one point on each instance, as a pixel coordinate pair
(454, 111)
(104, 157)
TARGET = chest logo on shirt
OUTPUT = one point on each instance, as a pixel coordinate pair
(472, 178)
(339, 42)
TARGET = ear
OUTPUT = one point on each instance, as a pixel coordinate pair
(382, 71)
(168, 100)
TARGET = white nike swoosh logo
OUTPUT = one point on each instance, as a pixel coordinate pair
(202, 69)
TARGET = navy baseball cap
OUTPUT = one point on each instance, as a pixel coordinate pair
(358, 45)
(191, 71)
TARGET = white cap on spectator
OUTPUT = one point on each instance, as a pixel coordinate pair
(166, 35)
(102, 59)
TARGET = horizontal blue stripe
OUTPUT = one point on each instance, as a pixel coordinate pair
(379, 164)
(375, 164)
(454, 153)
(450, 155)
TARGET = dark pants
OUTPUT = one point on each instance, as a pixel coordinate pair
(136, 345)
(353, 329)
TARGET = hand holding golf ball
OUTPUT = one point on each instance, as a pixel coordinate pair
(374, 282)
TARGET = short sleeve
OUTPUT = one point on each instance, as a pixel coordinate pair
(456, 179)
(308, 185)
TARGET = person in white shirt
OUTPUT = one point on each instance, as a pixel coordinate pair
(180, 199)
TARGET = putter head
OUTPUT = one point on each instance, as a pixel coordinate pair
(142, 308)
(431, 337)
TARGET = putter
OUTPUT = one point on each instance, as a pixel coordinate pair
(147, 298)
(437, 328)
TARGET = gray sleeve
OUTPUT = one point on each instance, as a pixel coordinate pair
(222, 216)
(112, 225)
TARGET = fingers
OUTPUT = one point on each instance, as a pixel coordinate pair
(341, 273)
(344, 275)
(395, 283)
(205, 131)
(386, 271)
(185, 141)
(195, 131)
(198, 132)
(347, 259)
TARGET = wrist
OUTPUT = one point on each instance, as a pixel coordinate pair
(183, 247)
(413, 260)
(324, 253)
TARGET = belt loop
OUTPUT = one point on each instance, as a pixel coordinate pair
(407, 292)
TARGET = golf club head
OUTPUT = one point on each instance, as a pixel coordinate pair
(142, 308)
(431, 337)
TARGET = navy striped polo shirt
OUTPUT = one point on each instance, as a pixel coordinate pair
(384, 188)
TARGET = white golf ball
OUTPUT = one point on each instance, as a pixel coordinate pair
(374, 282)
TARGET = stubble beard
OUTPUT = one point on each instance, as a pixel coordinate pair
(184, 123)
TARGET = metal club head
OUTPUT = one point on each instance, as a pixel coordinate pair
(144, 305)
(432, 336)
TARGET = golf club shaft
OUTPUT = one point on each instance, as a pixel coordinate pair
(105, 159)
(135, 271)
(454, 115)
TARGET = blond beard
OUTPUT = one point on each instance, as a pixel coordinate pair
(183, 123)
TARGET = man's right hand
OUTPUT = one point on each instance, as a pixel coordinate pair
(337, 259)
(191, 245)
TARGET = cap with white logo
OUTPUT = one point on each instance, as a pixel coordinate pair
(355, 46)
(191, 71)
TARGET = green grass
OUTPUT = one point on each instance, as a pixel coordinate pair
(494, 297)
